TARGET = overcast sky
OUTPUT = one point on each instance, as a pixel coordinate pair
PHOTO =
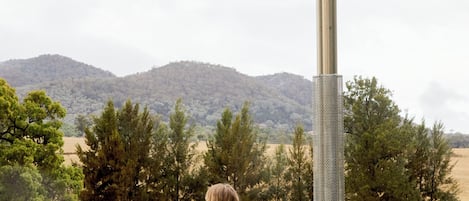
(419, 49)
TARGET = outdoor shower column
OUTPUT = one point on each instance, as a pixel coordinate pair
(328, 111)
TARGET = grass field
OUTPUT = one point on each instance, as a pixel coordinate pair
(460, 171)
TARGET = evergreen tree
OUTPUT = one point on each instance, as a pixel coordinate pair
(173, 176)
(180, 151)
(159, 164)
(440, 184)
(278, 185)
(82, 122)
(104, 162)
(135, 129)
(299, 166)
(116, 165)
(419, 155)
(376, 148)
(235, 156)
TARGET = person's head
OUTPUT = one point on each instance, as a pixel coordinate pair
(221, 192)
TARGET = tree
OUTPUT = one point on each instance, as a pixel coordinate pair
(278, 188)
(235, 156)
(158, 163)
(104, 162)
(419, 154)
(376, 149)
(82, 122)
(20, 183)
(438, 181)
(30, 137)
(299, 168)
(135, 128)
(173, 172)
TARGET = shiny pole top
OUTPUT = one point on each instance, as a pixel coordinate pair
(327, 37)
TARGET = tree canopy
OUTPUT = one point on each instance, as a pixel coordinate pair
(389, 157)
(31, 144)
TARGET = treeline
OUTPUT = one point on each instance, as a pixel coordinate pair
(134, 155)
(458, 140)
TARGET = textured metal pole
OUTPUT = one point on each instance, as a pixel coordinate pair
(328, 111)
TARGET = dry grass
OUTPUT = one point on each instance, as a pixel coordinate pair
(460, 171)
(70, 144)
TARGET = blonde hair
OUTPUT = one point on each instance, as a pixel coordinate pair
(221, 192)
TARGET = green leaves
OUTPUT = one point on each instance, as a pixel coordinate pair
(235, 156)
(388, 157)
(31, 147)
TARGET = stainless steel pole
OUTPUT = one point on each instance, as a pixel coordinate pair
(328, 136)
(327, 37)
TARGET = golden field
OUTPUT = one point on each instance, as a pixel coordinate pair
(460, 170)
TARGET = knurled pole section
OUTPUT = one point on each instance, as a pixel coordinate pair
(328, 138)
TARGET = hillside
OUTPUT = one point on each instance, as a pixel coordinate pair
(47, 68)
(206, 90)
(290, 85)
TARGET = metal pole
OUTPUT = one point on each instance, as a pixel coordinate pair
(328, 111)
(327, 37)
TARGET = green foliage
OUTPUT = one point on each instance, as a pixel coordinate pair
(235, 156)
(135, 129)
(20, 183)
(64, 183)
(70, 131)
(82, 122)
(429, 162)
(173, 172)
(104, 162)
(158, 163)
(31, 144)
(439, 185)
(299, 172)
(389, 157)
(375, 147)
(115, 165)
(277, 189)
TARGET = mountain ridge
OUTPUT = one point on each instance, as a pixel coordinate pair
(47, 68)
(206, 89)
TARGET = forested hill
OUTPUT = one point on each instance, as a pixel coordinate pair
(46, 68)
(290, 85)
(278, 101)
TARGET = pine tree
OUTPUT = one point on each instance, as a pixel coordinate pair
(299, 165)
(135, 129)
(418, 155)
(104, 162)
(278, 185)
(235, 156)
(172, 174)
(440, 184)
(158, 164)
(376, 148)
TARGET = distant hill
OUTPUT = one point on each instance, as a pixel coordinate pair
(47, 68)
(278, 101)
(290, 85)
